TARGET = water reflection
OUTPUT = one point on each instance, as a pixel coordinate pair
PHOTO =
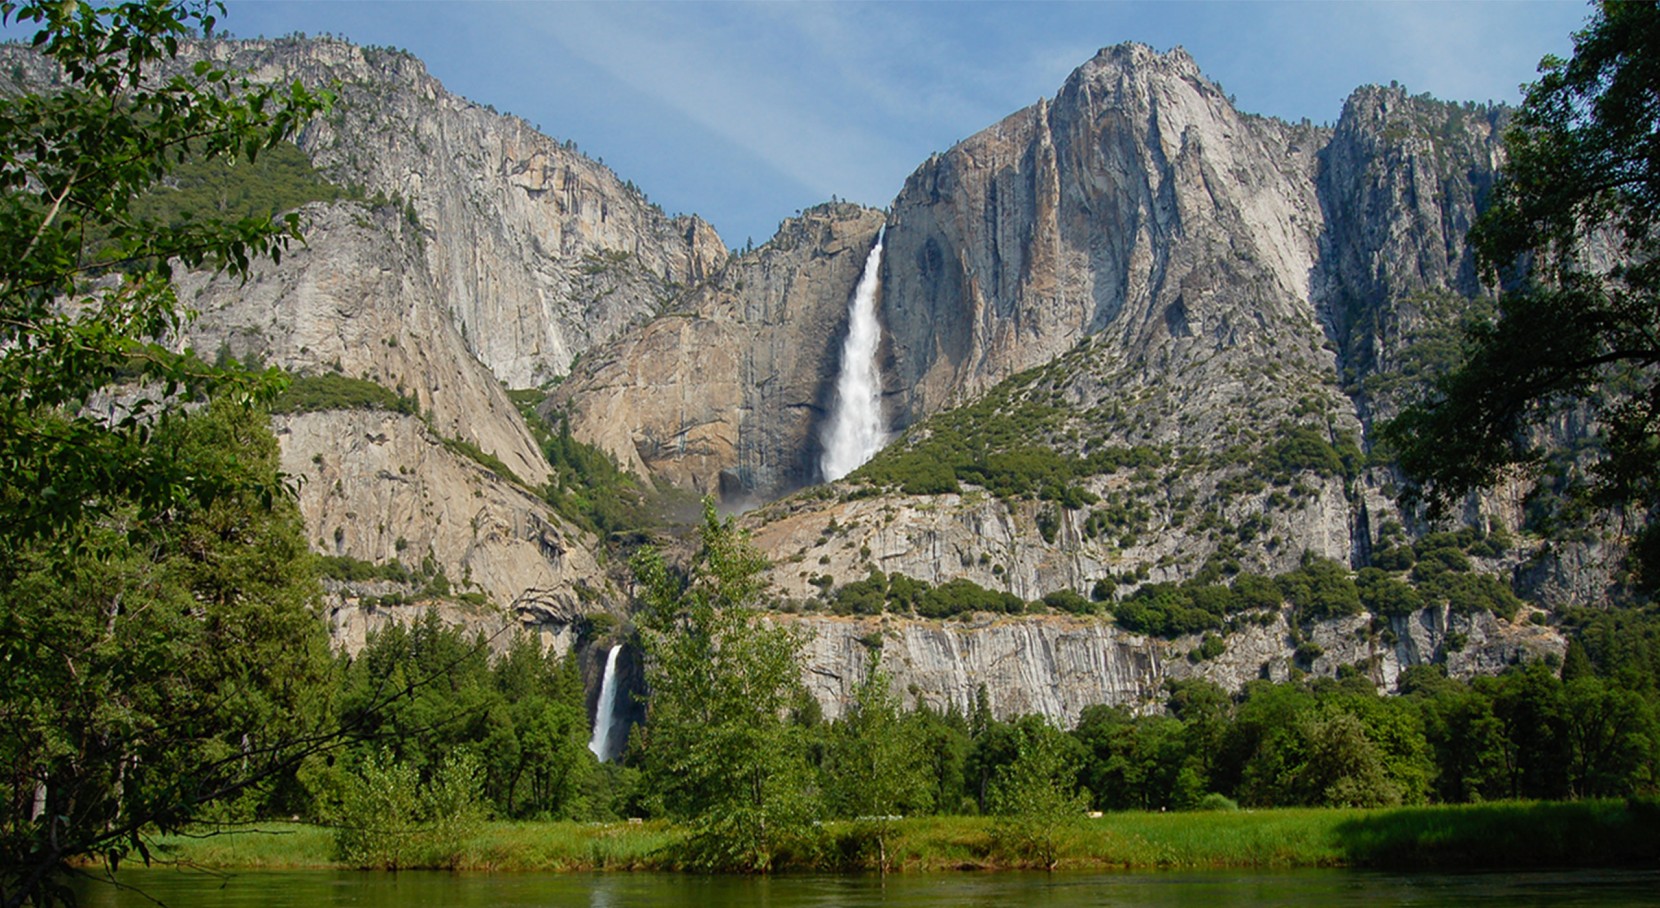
(1222, 889)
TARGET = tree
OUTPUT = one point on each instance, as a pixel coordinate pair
(389, 819)
(547, 765)
(1340, 765)
(156, 667)
(161, 647)
(1576, 205)
(1035, 798)
(86, 296)
(1612, 738)
(1138, 762)
(717, 747)
(875, 766)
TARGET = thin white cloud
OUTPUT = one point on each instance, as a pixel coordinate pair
(743, 111)
(701, 68)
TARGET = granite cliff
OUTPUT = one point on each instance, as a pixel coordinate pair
(1198, 313)
(1135, 266)
(725, 394)
(536, 251)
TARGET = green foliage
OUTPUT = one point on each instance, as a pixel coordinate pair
(875, 767)
(1339, 764)
(1164, 610)
(1320, 589)
(1298, 449)
(159, 633)
(280, 179)
(961, 596)
(73, 162)
(1214, 801)
(388, 819)
(1035, 797)
(1196, 606)
(1103, 589)
(1138, 762)
(1005, 442)
(1571, 335)
(587, 487)
(716, 750)
(355, 570)
(1069, 601)
(481, 457)
(158, 666)
(863, 597)
(333, 391)
(1210, 647)
(432, 692)
(1384, 595)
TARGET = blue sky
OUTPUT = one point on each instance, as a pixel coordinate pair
(746, 112)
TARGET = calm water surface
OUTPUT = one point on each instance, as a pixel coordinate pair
(320, 889)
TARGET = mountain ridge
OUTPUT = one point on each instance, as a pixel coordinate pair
(1135, 334)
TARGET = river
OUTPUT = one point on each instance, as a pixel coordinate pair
(1211, 889)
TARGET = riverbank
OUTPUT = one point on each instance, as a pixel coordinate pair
(1495, 835)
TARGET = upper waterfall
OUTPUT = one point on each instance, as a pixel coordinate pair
(856, 431)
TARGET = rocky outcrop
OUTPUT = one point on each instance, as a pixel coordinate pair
(381, 486)
(724, 395)
(1401, 183)
(536, 252)
(378, 486)
(1138, 204)
(1057, 666)
(357, 300)
(998, 543)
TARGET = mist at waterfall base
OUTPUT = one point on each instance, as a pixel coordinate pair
(605, 710)
(855, 431)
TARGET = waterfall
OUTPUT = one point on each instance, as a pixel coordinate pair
(605, 709)
(855, 431)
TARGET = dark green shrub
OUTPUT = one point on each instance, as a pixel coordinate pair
(1320, 589)
(1069, 601)
(333, 391)
(1384, 595)
(962, 595)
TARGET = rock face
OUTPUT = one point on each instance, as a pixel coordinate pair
(1156, 270)
(381, 486)
(357, 300)
(536, 252)
(378, 486)
(724, 395)
(1056, 666)
(1133, 264)
(485, 242)
(1137, 204)
(1187, 279)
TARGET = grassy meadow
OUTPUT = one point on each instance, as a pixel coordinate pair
(1493, 835)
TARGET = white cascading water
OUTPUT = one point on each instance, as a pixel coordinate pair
(855, 431)
(600, 744)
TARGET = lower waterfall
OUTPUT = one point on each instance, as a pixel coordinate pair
(605, 709)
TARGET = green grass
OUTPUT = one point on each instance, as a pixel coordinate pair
(1585, 833)
(257, 846)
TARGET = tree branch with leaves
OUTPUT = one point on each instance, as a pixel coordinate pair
(1571, 236)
